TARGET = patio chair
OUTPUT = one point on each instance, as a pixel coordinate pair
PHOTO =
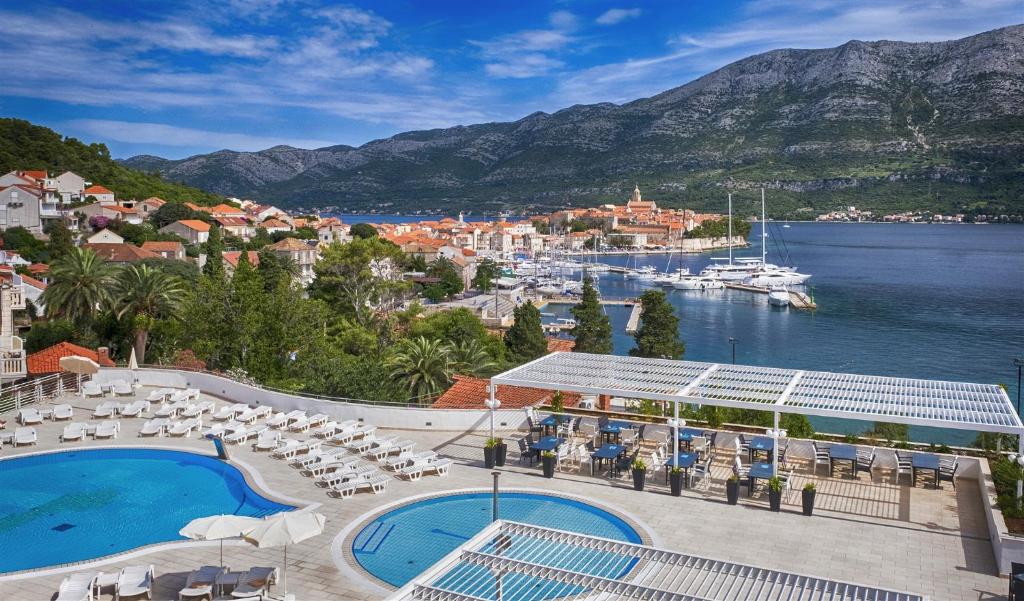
(641, 432)
(73, 431)
(200, 582)
(25, 435)
(91, 388)
(947, 469)
(822, 456)
(866, 461)
(29, 416)
(106, 409)
(256, 582)
(533, 427)
(742, 444)
(62, 412)
(629, 437)
(524, 451)
(135, 581)
(741, 471)
(623, 462)
(77, 587)
(702, 472)
(154, 427)
(121, 388)
(563, 456)
(135, 408)
(107, 429)
(904, 465)
(699, 445)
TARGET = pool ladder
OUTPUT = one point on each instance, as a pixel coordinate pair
(374, 538)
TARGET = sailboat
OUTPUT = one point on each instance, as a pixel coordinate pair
(768, 275)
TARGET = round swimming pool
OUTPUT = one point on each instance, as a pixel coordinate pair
(58, 508)
(401, 543)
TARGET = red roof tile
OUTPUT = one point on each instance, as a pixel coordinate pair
(560, 344)
(120, 252)
(470, 393)
(96, 190)
(33, 282)
(47, 361)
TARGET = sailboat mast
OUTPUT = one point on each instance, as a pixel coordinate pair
(764, 251)
(730, 229)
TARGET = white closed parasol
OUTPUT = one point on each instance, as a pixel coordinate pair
(219, 527)
(283, 529)
(82, 366)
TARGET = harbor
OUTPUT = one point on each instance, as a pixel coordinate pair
(796, 299)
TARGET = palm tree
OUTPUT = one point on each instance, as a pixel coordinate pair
(80, 283)
(146, 294)
(423, 364)
(470, 358)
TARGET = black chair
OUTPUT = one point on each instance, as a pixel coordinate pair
(1016, 582)
(539, 429)
(640, 434)
(623, 462)
(524, 451)
(602, 421)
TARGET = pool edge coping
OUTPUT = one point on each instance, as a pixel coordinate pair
(252, 478)
(347, 564)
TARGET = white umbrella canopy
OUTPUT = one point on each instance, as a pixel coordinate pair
(283, 529)
(133, 363)
(219, 527)
(79, 365)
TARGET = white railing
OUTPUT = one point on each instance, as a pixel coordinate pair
(17, 297)
(12, 365)
(37, 391)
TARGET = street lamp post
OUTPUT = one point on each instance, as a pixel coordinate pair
(733, 342)
(492, 404)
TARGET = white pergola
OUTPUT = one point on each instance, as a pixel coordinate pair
(933, 403)
(510, 561)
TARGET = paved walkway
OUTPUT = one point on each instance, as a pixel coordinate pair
(877, 533)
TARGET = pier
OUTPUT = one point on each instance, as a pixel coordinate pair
(634, 318)
(797, 300)
(632, 324)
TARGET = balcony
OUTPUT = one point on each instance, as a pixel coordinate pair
(12, 364)
(17, 296)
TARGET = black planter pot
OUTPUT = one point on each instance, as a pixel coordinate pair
(732, 491)
(549, 466)
(499, 457)
(639, 477)
(809, 501)
(489, 453)
(774, 499)
(675, 483)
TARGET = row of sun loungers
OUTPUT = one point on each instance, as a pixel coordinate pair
(132, 581)
(253, 584)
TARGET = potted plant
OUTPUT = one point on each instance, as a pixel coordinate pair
(491, 452)
(639, 474)
(557, 402)
(774, 493)
(808, 497)
(732, 489)
(675, 481)
(547, 459)
(501, 449)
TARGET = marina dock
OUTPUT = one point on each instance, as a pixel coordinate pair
(634, 318)
(797, 300)
(632, 324)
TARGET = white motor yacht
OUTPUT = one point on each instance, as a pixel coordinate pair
(778, 296)
(698, 282)
(770, 278)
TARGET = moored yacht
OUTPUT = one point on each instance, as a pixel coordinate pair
(698, 282)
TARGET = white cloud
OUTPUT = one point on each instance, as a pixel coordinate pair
(562, 19)
(169, 135)
(529, 52)
(614, 16)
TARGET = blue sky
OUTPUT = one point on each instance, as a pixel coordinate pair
(176, 79)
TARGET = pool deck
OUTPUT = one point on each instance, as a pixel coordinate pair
(932, 542)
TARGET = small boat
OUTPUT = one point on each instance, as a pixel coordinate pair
(778, 296)
(668, 279)
(776, 277)
(786, 225)
(697, 282)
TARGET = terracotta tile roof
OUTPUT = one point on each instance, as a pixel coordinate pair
(31, 281)
(560, 344)
(120, 209)
(275, 223)
(470, 393)
(226, 209)
(35, 174)
(155, 201)
(38, 268)
(163, 246)
(195, 224)
(290, 244)
(96, 190)
(231, 221)
(120, 253)
(231, 257)
(47, 361)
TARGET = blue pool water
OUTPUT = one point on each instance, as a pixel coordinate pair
(400, 544)
(58, 508)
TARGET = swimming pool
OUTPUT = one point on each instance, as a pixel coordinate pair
(401, 543)
(58, 508)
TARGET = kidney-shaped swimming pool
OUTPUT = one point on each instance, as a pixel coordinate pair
(71, 506)
(401, 543)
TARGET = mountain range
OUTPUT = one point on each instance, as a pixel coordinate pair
(880, 125)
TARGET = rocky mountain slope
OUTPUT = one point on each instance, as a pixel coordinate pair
(888, 125)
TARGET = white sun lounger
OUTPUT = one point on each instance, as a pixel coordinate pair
(348, 436)
(25, 435)
(287, 449)
(29, 416)
(243, 433)
(327, 430)
(250, 415)
(198, 409)
(339, 462)
(106, 409)
(200, 582)
(135, 408)
(345, 472)
(77, 587)
(170, 409)
(344, 490)
(107, 429)
(184, 428)
(227, 412)
(135, 581)
(305, 423)
(154, 427)
(368, 442)
(159, 395)
(91, 388)
(420, 467)
(268, 440)
(255, 583)
(381, 452)
(73, 431)
(221, 429)
(313, 457)
(282, 420)
(120, 387)
(62, 412)
(407, 458)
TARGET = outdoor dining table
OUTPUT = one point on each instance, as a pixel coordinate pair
(842, 452)
(761, 444)
(759, 470)
(925, 462)
(686, 461)
(554, 420)
(614, 428)
(548, 443)
(607, 451)
(686, 436)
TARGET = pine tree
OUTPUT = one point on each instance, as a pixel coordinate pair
(214, 249)
(525, 339)
(593, 331)
(658, 335)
